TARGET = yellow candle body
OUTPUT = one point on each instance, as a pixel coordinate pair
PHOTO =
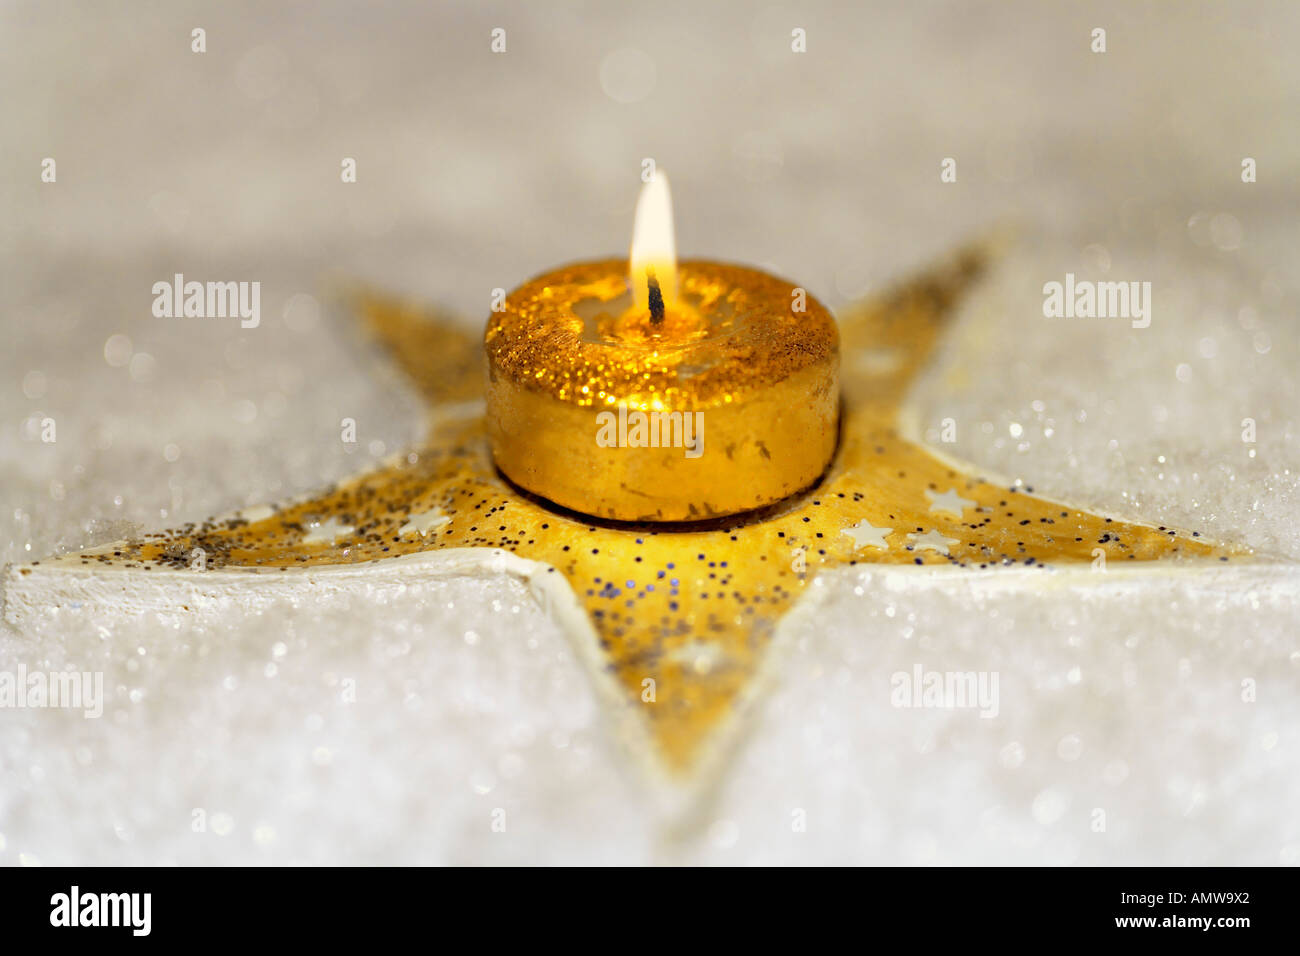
(730, 403)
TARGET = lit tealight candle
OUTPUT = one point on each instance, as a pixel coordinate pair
(648, 390)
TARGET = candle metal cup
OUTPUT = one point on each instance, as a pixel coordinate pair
(727, 402)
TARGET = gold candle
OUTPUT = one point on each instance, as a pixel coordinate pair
(647, 390)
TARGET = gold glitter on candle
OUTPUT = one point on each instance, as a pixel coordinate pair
(758, 381)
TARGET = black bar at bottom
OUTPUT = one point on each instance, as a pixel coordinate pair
(335, 906)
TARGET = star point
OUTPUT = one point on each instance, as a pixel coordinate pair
(327, 532)
(864, 535)
(425, 523)
(950, 502)
(931, 541)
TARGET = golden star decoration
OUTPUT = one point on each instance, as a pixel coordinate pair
(681, 615)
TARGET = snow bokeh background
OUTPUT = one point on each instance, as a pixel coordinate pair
(478, 170)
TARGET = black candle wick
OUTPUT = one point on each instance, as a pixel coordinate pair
(656, 298)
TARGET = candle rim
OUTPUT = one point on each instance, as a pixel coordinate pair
(538, 342)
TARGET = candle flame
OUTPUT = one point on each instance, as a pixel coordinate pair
(654, 244)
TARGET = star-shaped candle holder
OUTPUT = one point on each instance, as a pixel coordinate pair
(676, 619)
